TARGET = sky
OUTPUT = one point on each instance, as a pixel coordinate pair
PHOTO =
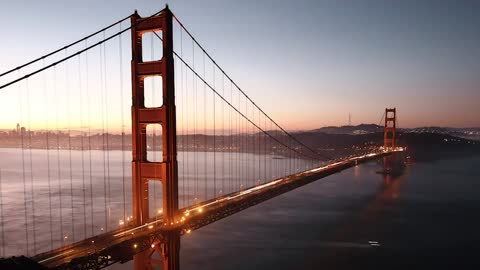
(308, 64)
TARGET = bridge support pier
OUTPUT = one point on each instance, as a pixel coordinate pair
(168, 249)
(171, 257)
(144, 170)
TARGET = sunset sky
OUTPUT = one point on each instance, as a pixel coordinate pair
(306, 63)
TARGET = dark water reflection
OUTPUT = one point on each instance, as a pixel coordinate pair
(428, 218)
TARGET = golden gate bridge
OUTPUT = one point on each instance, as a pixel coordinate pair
(201, 148)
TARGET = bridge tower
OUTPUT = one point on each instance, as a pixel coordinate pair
(144, 170)
(390, 132)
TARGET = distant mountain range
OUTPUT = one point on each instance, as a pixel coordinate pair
(422, 143)
(466, 133)
(351, 130)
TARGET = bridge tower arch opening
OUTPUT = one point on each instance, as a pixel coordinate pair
(390, 129)
(144, 170)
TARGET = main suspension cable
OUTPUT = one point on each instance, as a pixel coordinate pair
(230, 104)
(226, 75)
(63, 48)
(233, 107)
(78, 52)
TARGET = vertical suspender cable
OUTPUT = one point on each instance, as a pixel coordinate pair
(268, 154)
(258, 147)
(2, 217)
(290, 159)
(256, 152)
(185, 116)
(246, 151)
(242, 153)
(232, 144)
(274, 152)
(265, 143)
(32, 189)
(22, 139)
(284, 161)
(205, 131)
(293, 154)
(67, 79)
(247, 146)
(289, 152)
(287, 156)
(223, 136)
(47, 143)
(107, 130)
(295, 162)
(90, 171)
(251, 141)
(245, 160)
(214, 142)
(244, 138)
(58, 155)
(259, 150)
(238, 139)
(190, 141)
(82, 146)
(237, 169)
(239, 145)
(195, 128)
(256, 142)
(184, 150)
(102, 108)
(120, 50)
(237, 152)
(272, 160)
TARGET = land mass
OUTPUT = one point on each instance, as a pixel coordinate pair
(328, 142)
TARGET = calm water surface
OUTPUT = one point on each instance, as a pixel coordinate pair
(427, 218)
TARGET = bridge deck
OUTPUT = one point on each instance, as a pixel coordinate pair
(121, 245)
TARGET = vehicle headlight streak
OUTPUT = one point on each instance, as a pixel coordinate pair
(200, 209)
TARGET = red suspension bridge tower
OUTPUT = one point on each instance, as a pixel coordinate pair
(144, 170)
(390, 132)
